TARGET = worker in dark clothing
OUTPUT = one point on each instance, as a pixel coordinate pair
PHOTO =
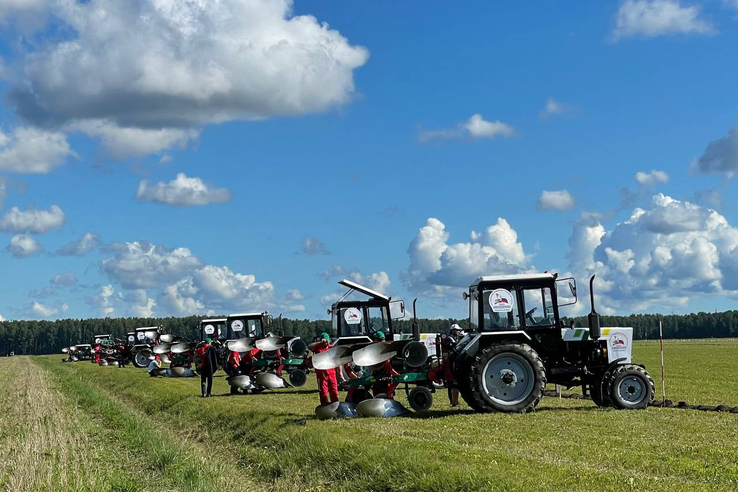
(208, 365)
(448, 342)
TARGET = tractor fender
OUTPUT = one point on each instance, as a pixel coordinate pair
(472, 347)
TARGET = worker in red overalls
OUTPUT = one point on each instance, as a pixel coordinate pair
(327, 384)
(97, 348)
(234, 368)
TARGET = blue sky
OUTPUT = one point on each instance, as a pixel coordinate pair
(411, 146)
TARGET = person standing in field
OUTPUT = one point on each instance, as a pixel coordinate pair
(208, 365)
(327, 384)
(448, 341)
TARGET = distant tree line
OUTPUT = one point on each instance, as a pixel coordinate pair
(47, 337)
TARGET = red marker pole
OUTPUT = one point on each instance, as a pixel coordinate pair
(663, 380)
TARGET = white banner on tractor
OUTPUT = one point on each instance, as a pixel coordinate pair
(619, 340)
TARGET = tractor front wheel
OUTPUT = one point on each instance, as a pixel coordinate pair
(631, 387)
(507, 377)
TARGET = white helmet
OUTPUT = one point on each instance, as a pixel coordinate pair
(455, 327)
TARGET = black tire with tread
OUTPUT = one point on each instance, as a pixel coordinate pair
(617, 375)
(600, 392)
(473, 391)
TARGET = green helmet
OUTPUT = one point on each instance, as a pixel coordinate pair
(209, 340)
(379, 335)
(325, 336)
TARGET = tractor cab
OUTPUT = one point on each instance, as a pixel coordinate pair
(361, 320)
(526, 302)
(247, 325)
(147, 335)
(215, 329)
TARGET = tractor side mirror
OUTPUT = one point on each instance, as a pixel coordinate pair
(567, 298)
(397, 309)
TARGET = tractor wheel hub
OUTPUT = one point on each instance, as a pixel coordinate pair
(508, 377)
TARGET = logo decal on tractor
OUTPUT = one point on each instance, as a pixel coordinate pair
(131, 339)
(210, 329)
(618, 343)
(352, 316)
(501, 301)
(237, 325)
(140, 335)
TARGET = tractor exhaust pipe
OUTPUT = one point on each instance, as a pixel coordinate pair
(594, 319)
(416, 329)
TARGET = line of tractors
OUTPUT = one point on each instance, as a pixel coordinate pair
(515, 344)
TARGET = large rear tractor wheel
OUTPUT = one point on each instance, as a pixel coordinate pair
(631, 387)
(508, 377)
(141, 358)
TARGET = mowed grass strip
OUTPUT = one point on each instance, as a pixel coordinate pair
(46, 445)
(565, 445)
(172, 463)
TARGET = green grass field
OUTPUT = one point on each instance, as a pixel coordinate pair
(84, 427)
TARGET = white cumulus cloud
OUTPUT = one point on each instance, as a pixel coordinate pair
(146, 75)
(23, 246)
(660, 257)
(555, 200)
(651, 18)
(40, 310)
(33, 151)
(437, 266)
(32, 220)
(476, 127)
(182, 192)
(651, 178)
(180, 283)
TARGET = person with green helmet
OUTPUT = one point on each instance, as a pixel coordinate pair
(327, 383)
(379, 336)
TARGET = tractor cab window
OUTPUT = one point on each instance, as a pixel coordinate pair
(538, 307)
(501, 310)
(253, 328)
(352, 321)
(378, 321)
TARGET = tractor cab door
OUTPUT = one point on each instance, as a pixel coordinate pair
(540, 315)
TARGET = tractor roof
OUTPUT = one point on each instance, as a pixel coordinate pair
(216, 320)
(147, 328)
(513, 278)
(103, 336)
(245, 315)
(363, 290)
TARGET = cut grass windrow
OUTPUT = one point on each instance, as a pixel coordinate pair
(46, 445)
(173, 463)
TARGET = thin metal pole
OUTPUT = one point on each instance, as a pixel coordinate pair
(663, 380)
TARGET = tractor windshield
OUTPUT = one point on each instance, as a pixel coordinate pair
(501, 310)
